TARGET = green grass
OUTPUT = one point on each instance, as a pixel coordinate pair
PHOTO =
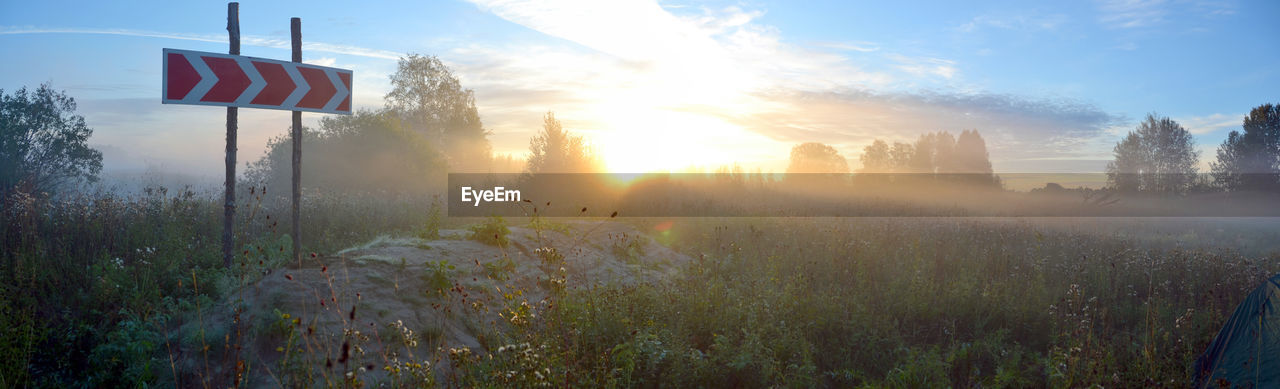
(90, 283)
(896, 303)
(93, 287)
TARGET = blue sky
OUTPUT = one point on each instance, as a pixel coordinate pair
(662, 85)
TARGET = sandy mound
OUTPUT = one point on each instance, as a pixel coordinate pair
(447, 293)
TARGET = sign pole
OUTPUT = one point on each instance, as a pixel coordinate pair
(229, 208)
(295, 35)
(233, 81)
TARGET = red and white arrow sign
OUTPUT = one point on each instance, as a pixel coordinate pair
(200, 78)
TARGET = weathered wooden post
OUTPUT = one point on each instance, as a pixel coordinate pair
(229, 207)
(295, 35)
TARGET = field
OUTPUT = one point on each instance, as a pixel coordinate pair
(102, 290)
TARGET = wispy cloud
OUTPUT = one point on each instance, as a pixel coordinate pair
(1016, 127)
(864, 47)
(323, 61)
(248, 40)
(925, 66)
(722, 46)
(1208, 124)
(1024, 22)
(1132, 13)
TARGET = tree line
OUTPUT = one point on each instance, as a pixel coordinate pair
(962, 158)
(1159, 156)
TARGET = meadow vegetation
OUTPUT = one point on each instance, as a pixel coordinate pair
(91, 282)
(892, 303)
(94, 287)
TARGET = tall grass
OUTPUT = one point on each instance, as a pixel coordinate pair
(91, 281)
(898, 303)
(91, 286)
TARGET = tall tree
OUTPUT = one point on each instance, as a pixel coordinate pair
(875, 158)
(814, 157)
(901, 155)
(1159, 156)
(1231, 168)
(944, 149)
(1251, 160)
(933, 153)
(971, 155)
(427, 96)
(556, 150)
(43, 143)
(922, 161)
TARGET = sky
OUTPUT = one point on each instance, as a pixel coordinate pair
(664, 85)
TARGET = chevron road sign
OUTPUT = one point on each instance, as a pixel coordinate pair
(200, 78)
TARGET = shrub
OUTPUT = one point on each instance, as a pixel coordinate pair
(492, 232)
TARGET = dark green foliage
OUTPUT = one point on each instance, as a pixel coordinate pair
(1251, 160)
(92, 286)
(43, 143)
(99, 276)
(438, 275)
(1157, 157)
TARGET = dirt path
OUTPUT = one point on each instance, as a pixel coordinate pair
(450, 293)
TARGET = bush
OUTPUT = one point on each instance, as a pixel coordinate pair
(492, 232)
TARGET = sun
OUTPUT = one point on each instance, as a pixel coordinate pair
(668, 141)
(675, 120)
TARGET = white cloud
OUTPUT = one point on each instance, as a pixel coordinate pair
(925, 66)
(1208, 124)
(322, 61)
(1131, 13)
(725, 47)
(1026, 22)
(864, 47)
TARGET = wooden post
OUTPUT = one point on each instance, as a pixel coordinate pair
(295, 34)
(229, 207)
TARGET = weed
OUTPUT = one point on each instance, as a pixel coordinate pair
(438, 275)
(492, 232)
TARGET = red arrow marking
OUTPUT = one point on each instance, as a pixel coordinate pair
(345, 105)
(322, 90)
(182, 77)
(279, 84)
(231, 80)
